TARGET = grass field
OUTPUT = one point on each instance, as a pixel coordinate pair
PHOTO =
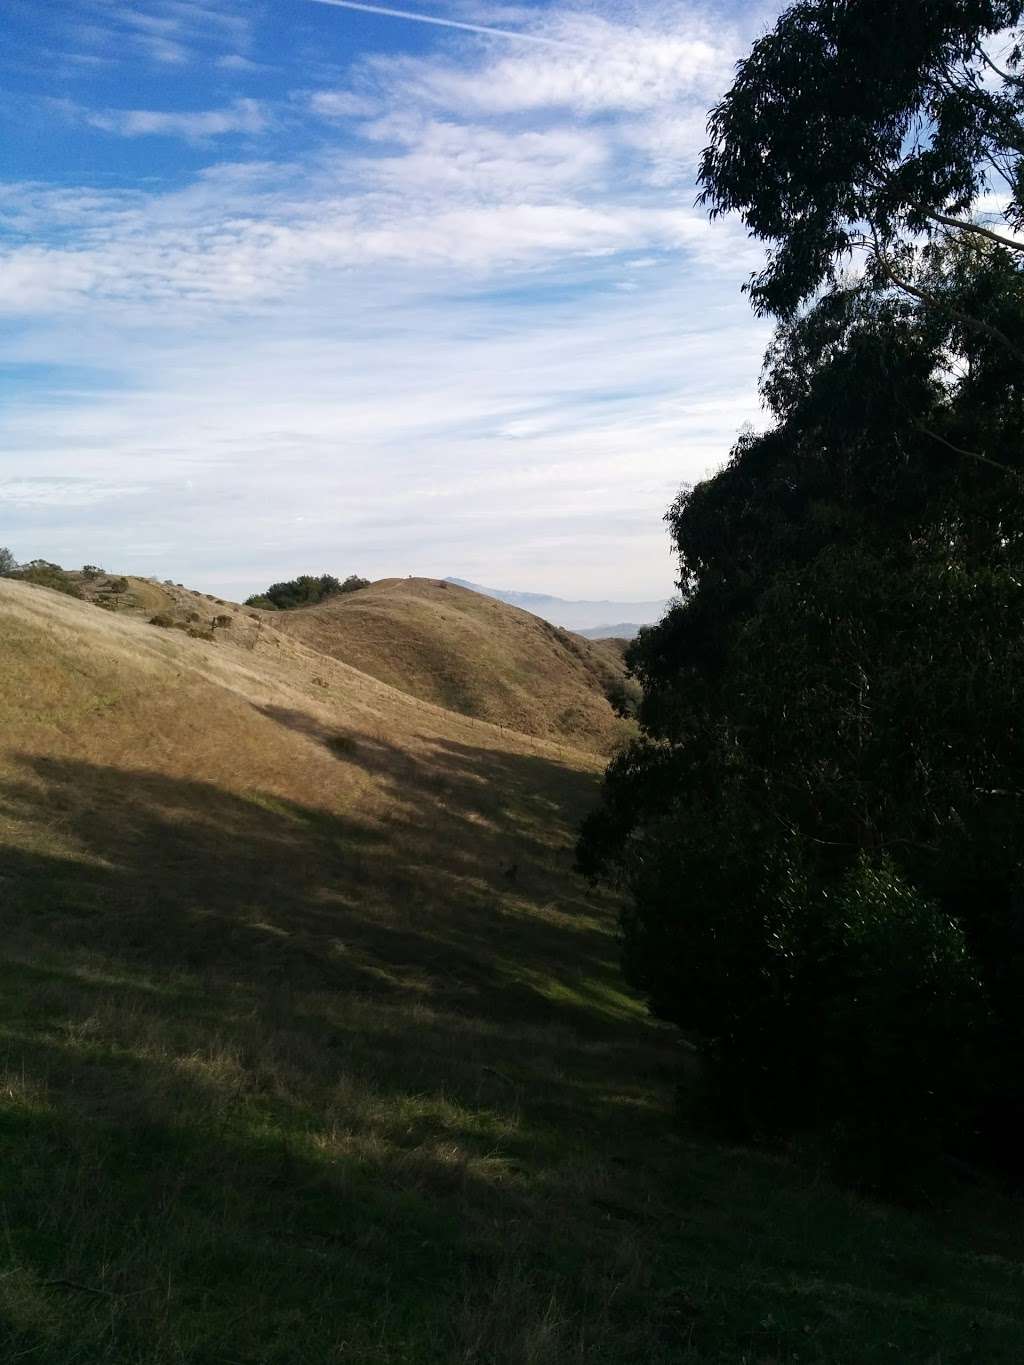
(314, 1049)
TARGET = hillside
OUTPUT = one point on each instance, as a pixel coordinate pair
(469, 653)
(315, 1049)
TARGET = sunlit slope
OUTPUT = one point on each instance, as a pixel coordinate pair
(251, 709)
(469, 653)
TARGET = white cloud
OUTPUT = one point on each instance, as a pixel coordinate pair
(174, 35)
(605, 67)
(62, 492)
(241, 116)
(449, 160)
(234, 61)
(340, 104)
(485, 332)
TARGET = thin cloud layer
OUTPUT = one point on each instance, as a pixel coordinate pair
(241, 116)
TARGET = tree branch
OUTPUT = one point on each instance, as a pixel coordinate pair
(965, 226)
(969, 454)
(1007, 76)
(978, 324)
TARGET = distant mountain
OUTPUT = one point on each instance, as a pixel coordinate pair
(579, 616)
(622, 630)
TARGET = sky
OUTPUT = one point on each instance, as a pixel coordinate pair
(304, 286)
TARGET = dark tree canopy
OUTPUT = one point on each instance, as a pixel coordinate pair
(821, 826)
(861, 123)
(304, 591)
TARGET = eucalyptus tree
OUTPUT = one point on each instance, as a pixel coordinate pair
(821, 827)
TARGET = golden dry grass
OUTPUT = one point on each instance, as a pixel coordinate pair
(313, 1049)
(469, 653)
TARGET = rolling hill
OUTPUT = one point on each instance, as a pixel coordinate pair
(314, 1048)
(469, 653)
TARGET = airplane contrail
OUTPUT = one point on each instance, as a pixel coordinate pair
(446, 23)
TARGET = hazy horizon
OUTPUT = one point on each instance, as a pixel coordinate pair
(319, 287)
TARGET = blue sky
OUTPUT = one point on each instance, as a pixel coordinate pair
(289, 286)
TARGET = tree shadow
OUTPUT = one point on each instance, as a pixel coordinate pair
(362, 1037)
(281, 1085)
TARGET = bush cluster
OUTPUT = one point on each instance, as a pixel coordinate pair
(47, 575)
(304, 591)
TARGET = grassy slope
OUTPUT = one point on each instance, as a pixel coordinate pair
(470, 653)
(313, 1050)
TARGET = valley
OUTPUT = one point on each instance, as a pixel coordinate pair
(314, 1047)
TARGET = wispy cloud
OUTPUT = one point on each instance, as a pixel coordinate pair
(234, 61)
(241, 116)
(604, 67)
(437, 21)
(456, 312)
(170, 33)
(340, 104)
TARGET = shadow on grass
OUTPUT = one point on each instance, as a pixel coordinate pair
(284, 1086)
(371, 1042)
(466, 889)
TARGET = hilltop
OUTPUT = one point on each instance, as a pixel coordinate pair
(458, 649)
(314, 1048)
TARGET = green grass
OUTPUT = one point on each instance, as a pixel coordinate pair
(275, 1088)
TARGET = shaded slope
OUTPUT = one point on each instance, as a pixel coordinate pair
(468, 653)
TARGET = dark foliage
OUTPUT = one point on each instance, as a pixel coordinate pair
(864, 121)
(821, 827)
(47, 575)
(623, 697)
(304, 591)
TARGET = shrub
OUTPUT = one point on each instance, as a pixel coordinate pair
(304, 591)
(197, 633)
(47, 575)
(91, 572)
(8, 564)
(192, 616)
(163, 619)
(623, 696)
(117, 585)
(223, 621)
(900, 1027)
